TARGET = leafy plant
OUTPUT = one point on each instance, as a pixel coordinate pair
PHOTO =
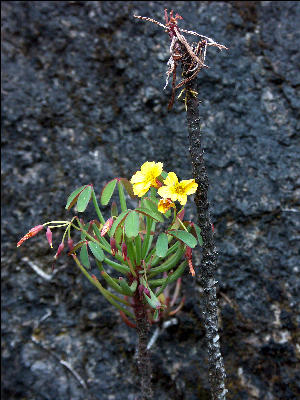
(139, 252)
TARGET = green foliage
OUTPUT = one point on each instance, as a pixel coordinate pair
(145, 245)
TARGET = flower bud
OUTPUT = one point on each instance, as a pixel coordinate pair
(188, 253)
(113, 246)
(33, 231)
(70, 244)
(107, 226)
(188, 256)
(59, 250)
(124, 251)
(49, 236)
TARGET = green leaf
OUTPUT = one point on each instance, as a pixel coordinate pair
(164, 174)
(84, 198)
(126, 288)
(73, 196)
(84, 257)
(122, 197)
(86, 228)
(97, 251)
(162, 245)
(156, 215)
(128, 187)
(199, 237)
(150, 203)
(107, 192)
(185, 237)
(132, 224)
(153, 301)
(117, 222)
(114, 209)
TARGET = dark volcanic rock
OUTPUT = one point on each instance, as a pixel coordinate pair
(82, 102)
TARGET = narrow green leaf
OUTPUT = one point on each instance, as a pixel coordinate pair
(150, 203)
(133, 286)
(84, 257)
(85, 227)
(118, 267)
(153, 301)
(162, 245)
(185, 237)
(107, 192)
(170, 263)
(122, 197)
(156, 215)
(84, 198)
(132, 224)
(117, 222)
(199, 237)
(73, 196)
(126, 288)
(111, 282)
(96, 250)
(163, 282)
(164, 174)
(114, 209)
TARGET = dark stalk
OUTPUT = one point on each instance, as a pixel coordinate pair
(143, 361)
(206, 276)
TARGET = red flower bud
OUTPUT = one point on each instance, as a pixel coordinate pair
(49, 236)
(192, 271)
(113, 246)
(107, 226)
(33, 231)
(59, 250)
(188, 256)
(124, 251)
(70, 244)
(188, 253)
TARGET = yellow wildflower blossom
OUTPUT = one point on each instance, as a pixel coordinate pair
(175, 190)
(145, 178)
(164, 205)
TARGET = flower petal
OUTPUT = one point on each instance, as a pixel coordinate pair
(147, 166)
(137, 177)
(189, 186)
(171, 179)
(182, 198)
(139, 189)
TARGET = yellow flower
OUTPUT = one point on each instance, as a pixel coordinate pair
(164, 205)
(145, 178)
(175, 190)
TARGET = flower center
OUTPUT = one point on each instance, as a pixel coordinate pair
(179, 189)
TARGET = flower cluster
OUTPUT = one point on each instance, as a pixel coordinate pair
(150, 175)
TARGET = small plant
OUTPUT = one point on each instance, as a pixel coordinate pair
(148, 248)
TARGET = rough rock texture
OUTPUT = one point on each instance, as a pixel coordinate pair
(82, 102)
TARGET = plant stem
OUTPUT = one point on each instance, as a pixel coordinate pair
(206, 279)
(143, 362)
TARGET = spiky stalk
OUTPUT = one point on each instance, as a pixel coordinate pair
(209, 255)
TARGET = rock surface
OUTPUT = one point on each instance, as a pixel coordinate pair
(83, 102)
